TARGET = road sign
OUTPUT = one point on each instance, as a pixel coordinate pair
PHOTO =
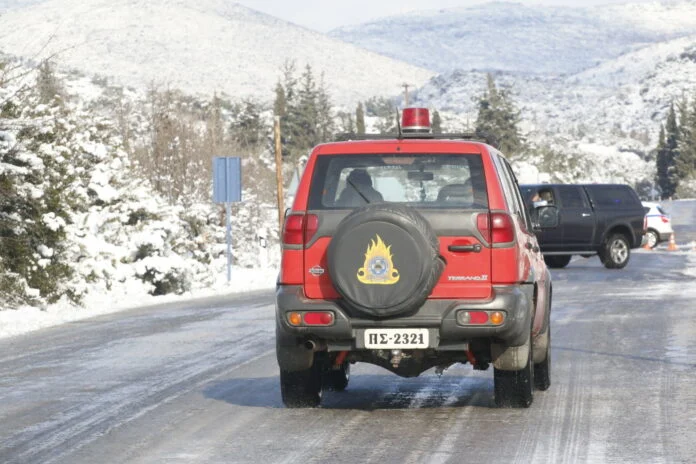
(227, 189)
(227, 179)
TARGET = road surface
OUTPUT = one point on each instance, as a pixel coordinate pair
(197, 382)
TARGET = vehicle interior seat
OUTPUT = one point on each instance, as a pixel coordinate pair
(456, 193)
(358, 190)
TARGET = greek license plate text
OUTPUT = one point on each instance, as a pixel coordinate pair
(396, 338)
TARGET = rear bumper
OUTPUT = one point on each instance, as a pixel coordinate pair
(439, 316)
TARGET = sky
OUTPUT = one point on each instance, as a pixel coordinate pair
(325, 15)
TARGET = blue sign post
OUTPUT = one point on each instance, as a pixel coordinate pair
(227, 189)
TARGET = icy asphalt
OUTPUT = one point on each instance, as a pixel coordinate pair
(198, 383)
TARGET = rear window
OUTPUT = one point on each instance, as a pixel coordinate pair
(613, 196)
(571, 197)
(422, 181)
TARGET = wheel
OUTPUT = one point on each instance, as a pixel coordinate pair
(652, 237)
(542, 370)
(301, 389)
(616, 252)
(558, 261)
(337, 379)
(515, 389)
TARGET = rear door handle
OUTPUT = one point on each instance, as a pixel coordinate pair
(465, 248)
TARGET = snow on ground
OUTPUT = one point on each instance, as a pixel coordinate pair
(129, 295)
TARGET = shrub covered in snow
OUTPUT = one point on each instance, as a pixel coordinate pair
(78, 215)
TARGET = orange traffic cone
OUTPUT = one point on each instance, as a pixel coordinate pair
(647, 246)
(672, 245)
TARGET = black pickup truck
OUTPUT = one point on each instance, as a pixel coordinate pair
(603, 219)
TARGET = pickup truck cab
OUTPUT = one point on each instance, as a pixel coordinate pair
(602, 219)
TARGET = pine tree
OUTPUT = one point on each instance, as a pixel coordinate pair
(667, 173)
(498, 117)
(49, 86)
(685, 163)
(279, 105)
(248, 129)
(325, 120)
(360, 119)
(306, 112)
(436, 123)
(661, 178)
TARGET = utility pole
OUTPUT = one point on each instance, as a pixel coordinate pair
(405, 86)
(279, 176)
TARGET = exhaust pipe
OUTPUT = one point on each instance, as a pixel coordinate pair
(314, 345)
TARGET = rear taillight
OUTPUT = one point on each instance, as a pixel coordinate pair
(502, 228)
(480, 317)
(318, 318)
(311, 318)
(645, 223)
(293, 232)
(311, 227)
(665, 219)
(496, 228)
(300, 229)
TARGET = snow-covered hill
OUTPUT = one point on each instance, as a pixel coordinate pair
(609, 114)
(516, 38)
(199, 46)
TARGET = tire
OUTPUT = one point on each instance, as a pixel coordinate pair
(384, 260)
(653, 238)
(616, 252)
(301, 389)
(557, 261)
(515, 389)
(337, 379)
(542, 370)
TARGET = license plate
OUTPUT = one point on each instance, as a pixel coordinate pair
(395, 339)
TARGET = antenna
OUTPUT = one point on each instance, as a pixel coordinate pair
(398, 125)
(405, 86)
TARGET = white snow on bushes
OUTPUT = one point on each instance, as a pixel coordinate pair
(123, 240)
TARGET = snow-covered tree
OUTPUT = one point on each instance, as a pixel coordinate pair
(499, 117)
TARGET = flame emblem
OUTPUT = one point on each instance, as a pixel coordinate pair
(378, 268)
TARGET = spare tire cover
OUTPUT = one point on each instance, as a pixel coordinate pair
(384, 259)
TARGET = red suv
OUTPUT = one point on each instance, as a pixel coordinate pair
(410, 252)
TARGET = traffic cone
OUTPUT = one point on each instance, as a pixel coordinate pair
(672, 245)
(647, 246)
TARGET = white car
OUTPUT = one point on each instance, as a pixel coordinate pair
(658, 224)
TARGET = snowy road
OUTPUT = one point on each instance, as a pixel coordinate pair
(189, 383)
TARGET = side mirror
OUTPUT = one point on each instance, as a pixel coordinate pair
(547, 217)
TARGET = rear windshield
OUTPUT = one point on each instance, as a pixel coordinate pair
(422, 181)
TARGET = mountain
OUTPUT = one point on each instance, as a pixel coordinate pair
(6, 5)
(613, 110)
(199, 46)
(517, 38)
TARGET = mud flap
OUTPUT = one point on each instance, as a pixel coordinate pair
(510, 358)
(294, 358)
(291, 356)
(540, 346)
